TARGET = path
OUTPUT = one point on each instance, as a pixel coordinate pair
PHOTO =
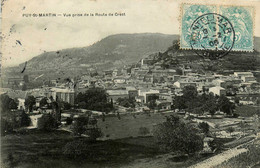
(222, 157)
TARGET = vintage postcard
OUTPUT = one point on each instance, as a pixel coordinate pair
(130, 84)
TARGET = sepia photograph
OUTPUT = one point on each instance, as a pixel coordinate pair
(130, 84)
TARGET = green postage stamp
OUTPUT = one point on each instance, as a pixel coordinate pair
(217, 28)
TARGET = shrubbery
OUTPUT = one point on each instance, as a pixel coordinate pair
(200, 104)
(94, 99)
(47, 122)
(88, 126)
(177, 136)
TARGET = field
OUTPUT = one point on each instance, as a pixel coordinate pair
(42, 149)
(129, 125)
(34, 148)
(125, 146)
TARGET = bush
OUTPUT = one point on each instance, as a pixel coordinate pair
(6, 126)
(217, 144)
(80, 125)
(177, 136)
(143, 131)
(94, 133)
(47, 122)
(65, 105)
(69, 120)
(25, 120)
(204, 127)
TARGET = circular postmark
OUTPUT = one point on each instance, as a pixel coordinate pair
(212, 36)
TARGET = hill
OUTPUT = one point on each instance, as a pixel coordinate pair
(116, 51)
(110, 52)
(174, 57)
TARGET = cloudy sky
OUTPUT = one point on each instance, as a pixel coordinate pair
(26, 37)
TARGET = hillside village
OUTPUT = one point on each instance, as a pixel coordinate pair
(141, 95)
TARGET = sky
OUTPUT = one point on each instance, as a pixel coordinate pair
(27, 37)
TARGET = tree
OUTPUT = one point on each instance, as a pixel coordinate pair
(190, 92)
(82, 105)
(69, 120)
(230, 130)
(126, 102)
(47, 122)
(179, 102)
(237, 100)
(88, 126)
(95, 99)
(26, 78)
(7, 103)
(204, 127)
(208, 102)
(43, 101)
(25, 120)
(177, 136)
(13, 104)
(216, 144)
(65, 105)
(94, 133)
(80, 125)
(30, 102)
(24, 87)
(152, 101)
(225, 105)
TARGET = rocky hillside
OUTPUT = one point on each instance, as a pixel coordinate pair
(110, 52)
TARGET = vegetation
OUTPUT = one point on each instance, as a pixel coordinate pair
(47, 122)
(7, 103)
(65, 105)
(217, 144)
(88, 126)
(29, 103)
(200, 104)
(94, 99)
(126, 102)
(80, 125)
(230, 130)
(177, 136)
(43, 101)
(94, 133)
(25, 120)
(152, 101)
(204, 127)
(11, 118)
(46, 149)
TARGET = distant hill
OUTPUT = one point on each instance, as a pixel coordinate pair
(110, 52)
(113, 51)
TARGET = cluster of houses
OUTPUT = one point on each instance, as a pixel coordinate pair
(147, 81)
